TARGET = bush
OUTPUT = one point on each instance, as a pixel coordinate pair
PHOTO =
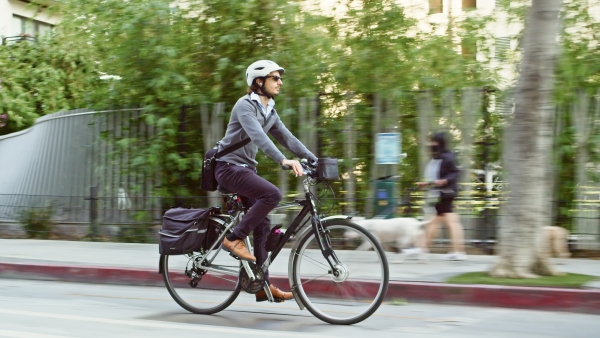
(37, 221)
(137, 233)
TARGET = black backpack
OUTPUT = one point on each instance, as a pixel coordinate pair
(185, 230)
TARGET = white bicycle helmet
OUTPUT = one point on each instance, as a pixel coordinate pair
(261, 68)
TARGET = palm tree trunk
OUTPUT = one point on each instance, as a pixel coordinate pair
(528, 149)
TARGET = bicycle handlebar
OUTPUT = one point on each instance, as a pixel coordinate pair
(309, 169)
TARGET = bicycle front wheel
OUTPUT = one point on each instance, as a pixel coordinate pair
(199, 286)
(361, 283)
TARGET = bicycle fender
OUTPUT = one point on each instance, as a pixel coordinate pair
(335, 217)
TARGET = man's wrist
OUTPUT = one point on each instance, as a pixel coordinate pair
(281, 162)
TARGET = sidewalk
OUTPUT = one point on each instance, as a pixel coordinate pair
(137, 264)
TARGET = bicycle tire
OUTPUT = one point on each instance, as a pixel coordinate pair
(359, 295)
(213, 293)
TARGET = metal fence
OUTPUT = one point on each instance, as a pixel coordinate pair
(138, 219)
(72, 166)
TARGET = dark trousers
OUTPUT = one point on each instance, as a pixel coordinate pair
(258, 194)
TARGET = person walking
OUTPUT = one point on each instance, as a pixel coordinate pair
(254, 116)
(441, 176)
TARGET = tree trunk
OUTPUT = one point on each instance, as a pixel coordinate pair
(350, 154)
(528, 148)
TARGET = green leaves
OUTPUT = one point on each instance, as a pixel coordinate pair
(165, 59)
(43, 77)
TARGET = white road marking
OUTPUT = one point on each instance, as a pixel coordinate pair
(21, 334)
(143, 323)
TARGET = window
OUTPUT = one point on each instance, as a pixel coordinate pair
(435, 6)
(22, 25)
(469, 49)
(502, 48)
(469, 4)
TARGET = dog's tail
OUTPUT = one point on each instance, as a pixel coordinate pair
(423, 224)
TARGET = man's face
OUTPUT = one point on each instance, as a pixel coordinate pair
(273, 83)
(434, 148)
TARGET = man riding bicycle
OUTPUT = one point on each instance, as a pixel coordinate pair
(253, 116)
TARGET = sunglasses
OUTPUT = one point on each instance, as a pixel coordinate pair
(275, 77)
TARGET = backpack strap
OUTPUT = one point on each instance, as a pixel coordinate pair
(232, 148)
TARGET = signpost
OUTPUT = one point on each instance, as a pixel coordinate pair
(387, 148)
(387, 151)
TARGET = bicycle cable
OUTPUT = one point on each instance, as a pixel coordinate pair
(324, 193)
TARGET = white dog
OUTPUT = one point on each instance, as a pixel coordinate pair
(399, 233)
(556, 242)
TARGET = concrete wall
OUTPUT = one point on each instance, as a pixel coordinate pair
(62, 156)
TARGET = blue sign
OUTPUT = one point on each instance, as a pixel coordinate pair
(382, 194)
(387, 148)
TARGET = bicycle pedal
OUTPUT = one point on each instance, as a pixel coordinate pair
(234, 256)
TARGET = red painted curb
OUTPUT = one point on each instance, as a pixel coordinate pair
(558, 299)
(540, 298)
(82, 274)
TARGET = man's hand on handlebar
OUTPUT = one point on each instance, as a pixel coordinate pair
(294, 165)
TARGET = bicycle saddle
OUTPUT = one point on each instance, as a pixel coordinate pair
(223, 190)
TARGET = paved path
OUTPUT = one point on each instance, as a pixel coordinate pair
(131, 255)
(127, 263)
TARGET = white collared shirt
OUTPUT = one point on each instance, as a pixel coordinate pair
(432, 173)
(265, 110)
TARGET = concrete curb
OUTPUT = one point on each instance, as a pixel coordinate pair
(538, 298)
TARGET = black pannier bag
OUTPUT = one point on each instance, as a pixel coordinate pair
(183, 231)
(327, 169)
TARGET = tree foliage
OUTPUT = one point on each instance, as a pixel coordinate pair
(45, 76)
(168, 59)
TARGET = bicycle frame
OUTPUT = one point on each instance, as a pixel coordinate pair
(308, 207)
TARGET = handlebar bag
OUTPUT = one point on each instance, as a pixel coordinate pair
(327, 169)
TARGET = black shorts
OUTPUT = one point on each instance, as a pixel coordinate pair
(444, 206)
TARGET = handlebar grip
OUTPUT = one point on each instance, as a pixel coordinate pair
(286, 167)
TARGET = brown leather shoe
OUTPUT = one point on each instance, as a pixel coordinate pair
(278, 295)
(239, 249)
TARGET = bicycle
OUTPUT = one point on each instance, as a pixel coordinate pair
(324, 271)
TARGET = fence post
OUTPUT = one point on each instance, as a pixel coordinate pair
(93, 211)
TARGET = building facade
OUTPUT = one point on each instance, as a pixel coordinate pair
(20, 18)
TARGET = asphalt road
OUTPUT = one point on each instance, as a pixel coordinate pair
(56, 309)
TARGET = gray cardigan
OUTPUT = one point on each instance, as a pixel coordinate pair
(248, 120)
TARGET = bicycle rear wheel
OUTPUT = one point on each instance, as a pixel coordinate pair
(360, 287)
(199, 286)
